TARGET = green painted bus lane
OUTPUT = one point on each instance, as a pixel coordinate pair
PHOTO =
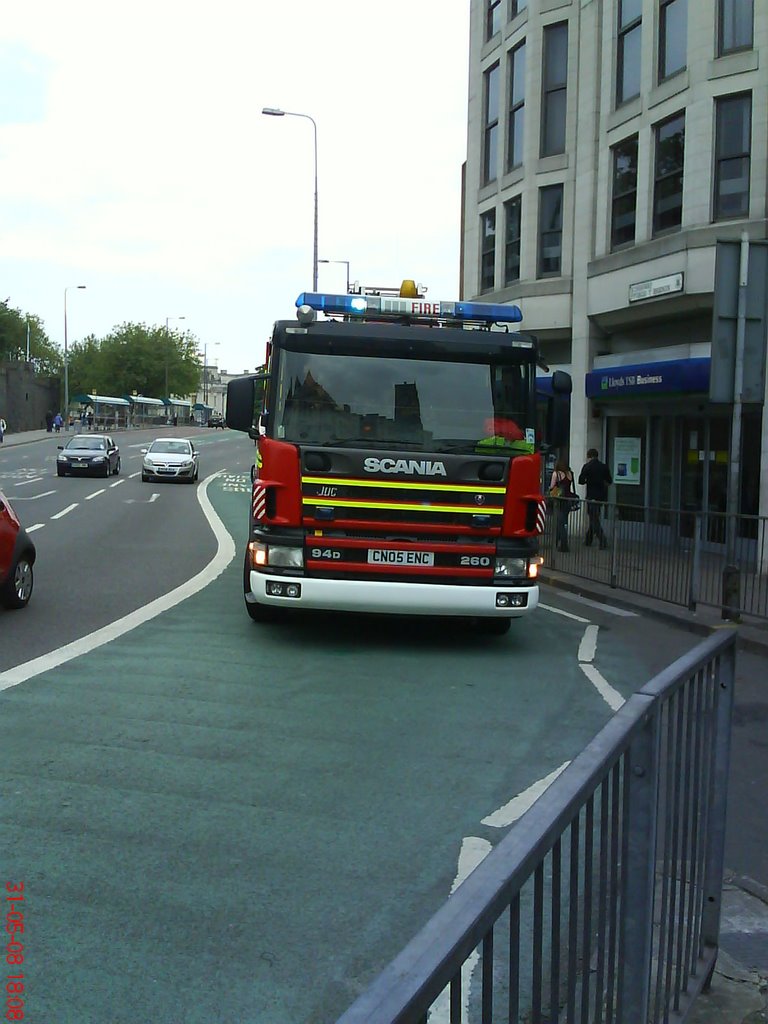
(216, 820)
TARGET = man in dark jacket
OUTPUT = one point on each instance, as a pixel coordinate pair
(596, 475)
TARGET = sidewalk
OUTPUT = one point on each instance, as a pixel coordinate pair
(25, 436)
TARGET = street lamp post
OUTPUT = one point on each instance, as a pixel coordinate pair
(346, 264)
(276, 112)
(66, 357)
(167, 339)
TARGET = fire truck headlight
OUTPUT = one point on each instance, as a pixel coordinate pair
(511, 567)
(258, 554)
(287, 558)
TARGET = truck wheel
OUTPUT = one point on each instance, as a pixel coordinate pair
(494, 627)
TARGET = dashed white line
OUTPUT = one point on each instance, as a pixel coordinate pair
(95, 494)
(65, 511)
(32, 480)
(612, 697)
(37, 526)
(588, 644)
(133, 475)
(519, 804)
(33, 497)
(117, 483)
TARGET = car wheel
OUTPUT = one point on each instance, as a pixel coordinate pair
(107, 470)
(144, 478)
(117, 467)
(18, 587)
(60, 471)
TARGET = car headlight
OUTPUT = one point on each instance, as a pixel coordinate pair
(187, 465)
(99, 458)
(62, 458)
(511, 567)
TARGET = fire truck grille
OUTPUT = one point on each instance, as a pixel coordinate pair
(396, 501)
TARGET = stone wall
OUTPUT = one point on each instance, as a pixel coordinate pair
(25, 398)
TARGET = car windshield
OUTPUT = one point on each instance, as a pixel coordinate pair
(89, 443)
(429, 405)
(170, 447)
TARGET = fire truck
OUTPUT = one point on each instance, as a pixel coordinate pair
(399, 461)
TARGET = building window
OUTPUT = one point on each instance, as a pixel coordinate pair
(668, 176)
(733, 120)
(555, 76)
(516, 6)
(624, 196)
(516, 107)
(628, 50)
(673, 30)
(512, 214)
(734, 28)
(492, 18)
(491, 130)
(487, 251)
(550, 230)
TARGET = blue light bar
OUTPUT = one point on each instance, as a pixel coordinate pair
(378, 306)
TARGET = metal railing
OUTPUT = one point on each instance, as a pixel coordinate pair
(676, 555)
(602, 903)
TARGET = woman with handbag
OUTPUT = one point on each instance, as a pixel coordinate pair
(562, 492)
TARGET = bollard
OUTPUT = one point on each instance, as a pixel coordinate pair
(731, 593)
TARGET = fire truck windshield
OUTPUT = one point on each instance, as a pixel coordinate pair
(429, 405)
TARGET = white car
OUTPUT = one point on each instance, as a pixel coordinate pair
(170, 458)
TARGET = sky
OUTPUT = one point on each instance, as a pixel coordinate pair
(134, 159)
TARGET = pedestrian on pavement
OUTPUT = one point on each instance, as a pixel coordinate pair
(57, 422)
(561, 490)
(597, 477)
(89, 417)
(49, 421)
(83, 420)
(3, 428)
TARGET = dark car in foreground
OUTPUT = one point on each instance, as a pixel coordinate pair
(17, 556)
(93, 454)
(170, 458)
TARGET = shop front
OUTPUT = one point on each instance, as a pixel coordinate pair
(668, 446)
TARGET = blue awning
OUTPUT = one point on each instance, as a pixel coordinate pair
(671, 376)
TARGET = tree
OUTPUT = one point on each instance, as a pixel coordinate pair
(135, 358)
(44, 355)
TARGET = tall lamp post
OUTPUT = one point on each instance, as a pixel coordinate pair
(346, 264)
(276, 112)
(66, 357)
(167, 339)
(205, 370)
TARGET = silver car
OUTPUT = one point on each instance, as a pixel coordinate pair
(170, 458)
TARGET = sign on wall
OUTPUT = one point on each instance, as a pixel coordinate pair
(626, 460)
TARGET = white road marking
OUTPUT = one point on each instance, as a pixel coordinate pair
(560, 611)
(588, 644)
(95, 494)
(32, 497)
(117, 483)
(134, 474)
(65, 511)
(153, 497)
(473, 851)
(37, 526)
(32, 480)
(518, 805)
(612, 697)
(622, 612)
(224, 554)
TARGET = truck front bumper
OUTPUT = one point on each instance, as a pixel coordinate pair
(392, 598)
